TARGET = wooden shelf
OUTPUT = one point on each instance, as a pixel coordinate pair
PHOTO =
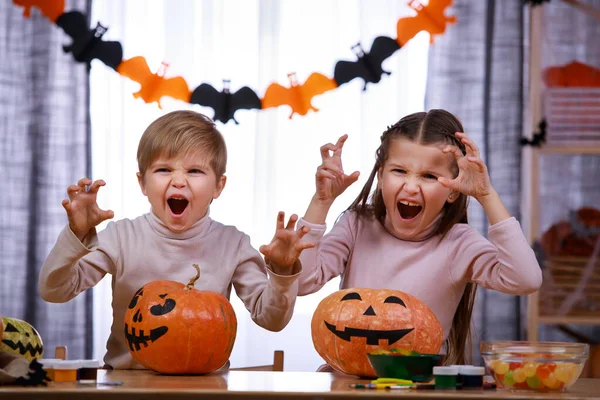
(577, 320)
(569, 150)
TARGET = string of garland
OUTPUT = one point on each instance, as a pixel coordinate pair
(87, 45)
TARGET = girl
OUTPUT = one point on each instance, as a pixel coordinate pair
(411, 232)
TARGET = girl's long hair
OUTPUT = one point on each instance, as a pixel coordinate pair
(427, 128)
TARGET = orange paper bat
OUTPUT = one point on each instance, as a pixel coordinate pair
(52, 9)
(298, 96)
(153, 86)
(429, 18)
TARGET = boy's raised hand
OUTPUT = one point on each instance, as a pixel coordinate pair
(287, 244)
(82, 209)
(331, 181)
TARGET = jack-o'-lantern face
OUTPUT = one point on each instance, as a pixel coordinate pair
(373, 336)
(350, 323)
(21, 338)
(143, 328)
(174, 328)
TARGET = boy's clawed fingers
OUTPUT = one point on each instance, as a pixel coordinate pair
(96, 186)
(292, 222)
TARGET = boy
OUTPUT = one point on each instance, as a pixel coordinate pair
(181, 158)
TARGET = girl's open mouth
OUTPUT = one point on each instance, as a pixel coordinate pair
(408, 210)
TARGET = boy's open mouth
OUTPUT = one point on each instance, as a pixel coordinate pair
(408, 210)
(177, 205)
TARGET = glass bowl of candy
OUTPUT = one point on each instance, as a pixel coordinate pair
(537, 366)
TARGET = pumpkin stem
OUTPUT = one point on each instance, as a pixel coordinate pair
(192, 281)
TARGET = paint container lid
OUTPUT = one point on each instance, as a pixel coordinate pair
(90, 363)
(445, 370)
(64, 364)
(471, 370)
(48, 362)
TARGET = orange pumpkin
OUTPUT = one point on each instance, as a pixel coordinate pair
(173, 328)
(350, 323)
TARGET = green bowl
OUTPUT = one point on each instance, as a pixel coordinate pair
(415, 368)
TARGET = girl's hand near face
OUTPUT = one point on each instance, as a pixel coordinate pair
(331, 181)
(286, 246)
(473, 178)
(82, 209)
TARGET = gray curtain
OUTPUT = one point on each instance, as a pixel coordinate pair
(478, 70)
(44, 147)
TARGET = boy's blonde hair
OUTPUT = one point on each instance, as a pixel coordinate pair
(182, 132)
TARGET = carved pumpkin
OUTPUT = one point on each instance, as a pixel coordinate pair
(21, 338)
(173, 328)
(350, 323)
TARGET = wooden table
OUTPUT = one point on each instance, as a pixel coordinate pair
(260, 385)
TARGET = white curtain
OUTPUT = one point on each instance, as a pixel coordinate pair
(272, 159)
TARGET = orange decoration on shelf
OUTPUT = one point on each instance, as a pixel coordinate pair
(350, 323)
(574, 74)
(153, 86)
(52, 9)
(174, 328)
(298, 96)
(429, 18)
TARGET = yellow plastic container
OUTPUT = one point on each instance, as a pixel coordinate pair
(66, 371)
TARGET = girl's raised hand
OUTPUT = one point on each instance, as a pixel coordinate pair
(82, 209)
(473, 178)
(331, 181)
(287, 244)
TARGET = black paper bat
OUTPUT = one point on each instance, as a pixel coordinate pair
(225, 103)
(535, 2)
(538, 137)
(368, 65)
(87, 43)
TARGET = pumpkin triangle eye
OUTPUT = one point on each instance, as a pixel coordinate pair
(351, 296)
(394, 299)
(10, 328)
(134, 300)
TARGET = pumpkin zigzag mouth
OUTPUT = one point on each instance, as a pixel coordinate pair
(23, 349)
(135, 339)
(372, 335)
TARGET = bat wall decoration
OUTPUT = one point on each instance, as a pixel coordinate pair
(538, 138)
(225, 103)
(87, 43)
(153, 86)
(298, 97)
(368, 66)
(52, 9)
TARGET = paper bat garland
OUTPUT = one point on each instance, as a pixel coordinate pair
(298, 96)
(153, 86)
(52, 9)
(368, 66)
(87, 43)
(225, 103)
